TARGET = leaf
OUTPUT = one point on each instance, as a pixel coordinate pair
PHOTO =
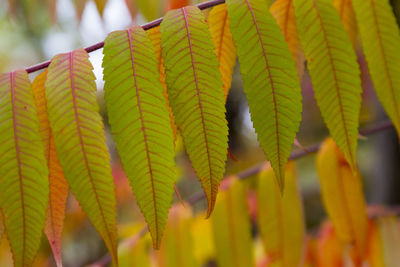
(79, 8)
(225, 48)
(334, 71)
(270, 79)
(348, 18)
(177, 248)
(150, 9)
(280, 218)
(155, 37)
(375, 248)
(283, 12)
(380, 40)
(330, 249)
(196, 95)
(232, 229)
(100, 4)
(390, 239)
(58, 185)
(343, 196)
(79, 140)
(140, 123)
(24, 185)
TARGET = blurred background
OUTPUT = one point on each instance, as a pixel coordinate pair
(32, 31)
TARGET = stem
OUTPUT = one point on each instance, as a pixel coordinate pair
(145, 27)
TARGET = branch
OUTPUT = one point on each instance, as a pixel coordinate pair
(145, 27)
(375, 128)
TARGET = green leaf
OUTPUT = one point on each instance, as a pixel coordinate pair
(232, 229)
(196, 95)
(380, 39)
(270, 79)
(140, 123)
(335, 75)
(79, 139)
(24, 188)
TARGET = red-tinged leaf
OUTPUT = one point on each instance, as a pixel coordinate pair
(80, 142)
(58, 184)
(24, 188)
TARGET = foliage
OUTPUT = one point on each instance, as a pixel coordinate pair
(170, 83)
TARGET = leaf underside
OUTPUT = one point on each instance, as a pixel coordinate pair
(58, 185)
(380, 39)
(335, 75)
(24, 185)
(196, 95)
(79, 140)
(140, 123)
(270, 79)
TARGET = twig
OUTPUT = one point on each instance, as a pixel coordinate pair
(145, 27)
(376, 128)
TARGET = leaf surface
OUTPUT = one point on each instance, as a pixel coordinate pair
(79, 140)
(155, 37)
(100, 4)
(380, 39)
(343, 196)
(177, 248)
(24, 185)
(58, 185)
(225, 48)
(196, 95)
(232, 229)
(270, 80)
(335, 75)
(348, 19)
(140, 123)
(283, 12)
(280, 218)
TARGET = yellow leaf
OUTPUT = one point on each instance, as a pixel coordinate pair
(348, 18)
(390, 237)
(177, 248)
(225, 49)
(232, 229)
(155, 38)
(380, 39)
(283, 12)
(343, 196)
(375, 249)
(280, 218)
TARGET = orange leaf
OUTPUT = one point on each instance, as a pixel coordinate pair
(57, 182)
(348, 18)
(343, 196)
(283, 12)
